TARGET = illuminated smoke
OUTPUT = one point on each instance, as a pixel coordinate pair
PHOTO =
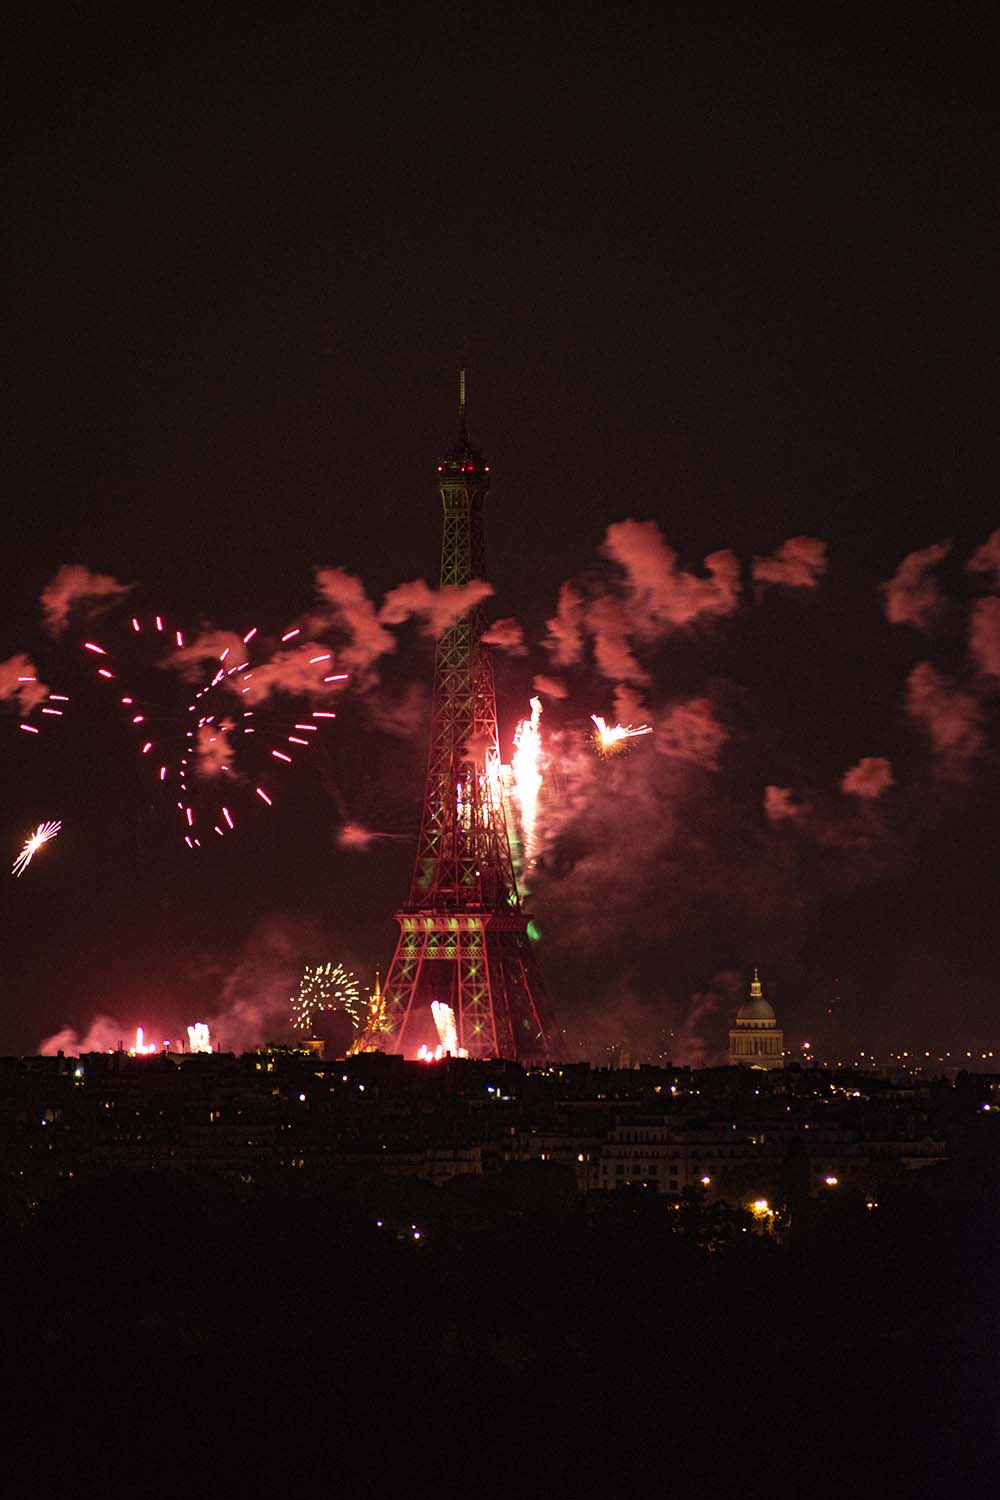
(550, 687)
(75, 584)
(987, 559)
(665, 594)
(402, 714)
(437, 608)
(565, 629)
(951, 717)
(210, 646)
(611, 625)
(103, 1035)
(984, 635)
(506, 634)
(628, 703)
(869, 778)
(213, 752)
(353, 613)
(526, 768)
(911, 595)
(782, 806)
(691, 732)
(798, 563)
(19, 684)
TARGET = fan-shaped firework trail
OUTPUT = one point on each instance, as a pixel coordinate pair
(610, 738)
(221, 741)
(35, 841)
(325, 987)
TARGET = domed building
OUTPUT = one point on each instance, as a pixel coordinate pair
(756, 1041)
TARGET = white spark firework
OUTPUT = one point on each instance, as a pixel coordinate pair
(42, 834)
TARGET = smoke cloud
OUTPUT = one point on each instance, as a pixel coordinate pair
(691, 732)
(353, 612)
(869, 778)
(213, 752)
(189, 661)
(798, 563)
(987, 559)
(74, 584)
(508, 635)
(255, 996)
(782, 806)
(437, 608)
(19, 684)
(984, 635)
(951, 717)
(661, 591)
(565, 629)
(550, 687)
(103, 1035)
(911, 596)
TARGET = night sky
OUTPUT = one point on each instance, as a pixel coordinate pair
(730, 277)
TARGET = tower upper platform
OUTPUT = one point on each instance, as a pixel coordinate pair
(463, 458)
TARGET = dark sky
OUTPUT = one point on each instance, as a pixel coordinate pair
(733, 276)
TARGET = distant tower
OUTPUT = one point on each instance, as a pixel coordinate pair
(756, 1040)
(463, 938)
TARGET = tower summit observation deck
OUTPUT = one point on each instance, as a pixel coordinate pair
(463, 940)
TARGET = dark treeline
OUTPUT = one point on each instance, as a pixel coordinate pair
(184, 1334)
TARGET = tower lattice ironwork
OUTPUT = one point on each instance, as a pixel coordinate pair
(463, 939)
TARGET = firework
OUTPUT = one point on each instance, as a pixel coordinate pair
(444, 1024)
(142, 1048)
(610, 738)
(325, 987)
(198, 1038)
(35, 841)
(526, 768)
(223, 738)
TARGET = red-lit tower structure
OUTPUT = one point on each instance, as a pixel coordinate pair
(463, 936)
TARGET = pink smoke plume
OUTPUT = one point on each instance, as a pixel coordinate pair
(782, 806)
(74, 584)
(550, 687)
(911, 596)
(404, 714)
(255, 996)
(691, 732)
(438, 608)
(565, 629)
(508, 635)
(294, 671)
(19, 684)
(951, 717)
(213, 752)
(628, 704)
(798, 563)
(611, 624)
(353, 612)
(987, 559)
(102, 1035)
(664, 594)
(869, 778)
(209, 646)
(984, 635)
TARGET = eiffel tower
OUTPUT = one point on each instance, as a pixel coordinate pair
(463, 935)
